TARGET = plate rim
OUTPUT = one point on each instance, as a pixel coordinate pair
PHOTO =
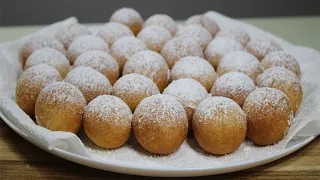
(126, 168)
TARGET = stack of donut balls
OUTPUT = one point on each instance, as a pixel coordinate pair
(160, 82)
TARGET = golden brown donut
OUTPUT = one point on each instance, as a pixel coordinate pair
(132, 88)
(260, 47)
(85, 43)
(59, 107)
(284, 80)
(51, 57)
(126, 47)
(113, 31)
(219, 125)
(240, 61)
(189, 93)
(199, 33)
(67, 34)
(100, 61)
(129, 17)
(283, 59)
(195, 68)
(89, 81)
(155, 37)
(40, 41)
(269, 114)
(162, 20)
(151, 65)
(160, 124)
(234, 85)
(219, 47)
(31, 82)
(236, 33)
(107, 121)
(180, 47)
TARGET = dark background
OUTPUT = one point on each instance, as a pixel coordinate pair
(26, 12)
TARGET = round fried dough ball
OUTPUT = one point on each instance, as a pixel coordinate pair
(219, 125)
(195, 68)
(113, 31)
(210, 23)
(129, 17)
(59, 107)
(160, 124)
(107, 121)
(260, 47)
(31, 82)
(67, 34)
(269, 114)
(236, 33)
(151, 65)
(162, 20)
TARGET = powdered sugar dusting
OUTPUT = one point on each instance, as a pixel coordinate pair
(155, 37)
(69, 33)
(210, 23)
(85, 43)
(237, 33)
(90, 82)
(234, 85)
(178, 48)
(261, 46)
(283, 59)
(240, 61)
(188, 92)
(162, 20)
(218, 106)
(128, 17)
(113, 31)
(194, 20)
(199, 33)
(100, 61)
(195, 68)
(109, 108)
(219, 47)
(161, 109)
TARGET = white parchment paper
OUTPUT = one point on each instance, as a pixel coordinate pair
(189, 155)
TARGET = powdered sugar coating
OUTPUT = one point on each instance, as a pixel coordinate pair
(284, 80)
(149, 64)
(261, 46)
(217, 106)
(31, 82)
(155, 37)
(194, 20)
(195, 68)
(85, 43)
(107, 121)
(113, 31)
(162, 20)
(240, 61)
(90, 82)
(100, 61)
(59, 107)
(132, 88)
(219, 47)
(40, 41)
(236, 33)
(210, 24)
(51, 57)
(199, 33)
(234, 85)
(283, 59)
(129, 17)
(67, 34)
(126, 47)
(180, 47)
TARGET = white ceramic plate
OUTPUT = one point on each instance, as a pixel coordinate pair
(146, 170)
